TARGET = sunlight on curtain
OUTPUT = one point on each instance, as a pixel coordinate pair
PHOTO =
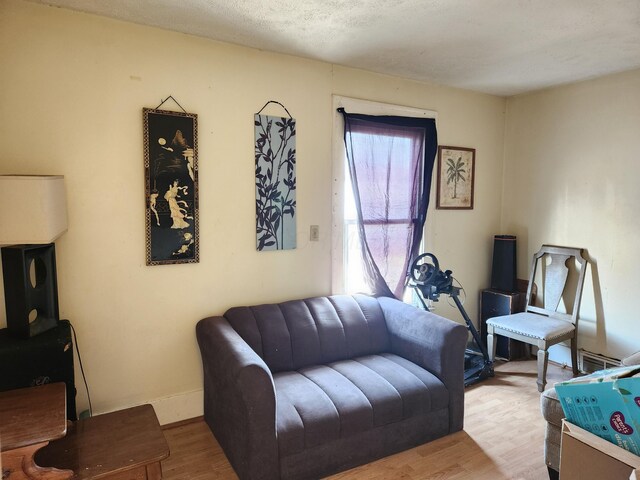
(388, 195)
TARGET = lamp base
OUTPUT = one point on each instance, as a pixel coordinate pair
(30, 289)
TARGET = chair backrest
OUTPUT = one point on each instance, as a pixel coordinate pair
(555, 265)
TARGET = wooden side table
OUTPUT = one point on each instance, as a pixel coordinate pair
(29, 419)
(127, 444)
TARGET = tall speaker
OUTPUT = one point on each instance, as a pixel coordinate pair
(503, 271)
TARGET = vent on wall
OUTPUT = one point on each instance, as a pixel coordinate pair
(590, 362)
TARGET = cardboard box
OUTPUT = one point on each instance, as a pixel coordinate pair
(584, 456)
(607, 404)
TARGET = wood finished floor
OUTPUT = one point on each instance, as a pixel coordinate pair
(502, 439)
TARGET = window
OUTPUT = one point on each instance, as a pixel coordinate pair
(398, 221)
(386, 231)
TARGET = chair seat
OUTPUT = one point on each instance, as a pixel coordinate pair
(532, 325)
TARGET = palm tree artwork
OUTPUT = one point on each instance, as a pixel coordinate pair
(275, 170)
(455, 173)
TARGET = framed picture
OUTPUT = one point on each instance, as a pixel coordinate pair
(171, 177)
(275, 155)
(456, 177)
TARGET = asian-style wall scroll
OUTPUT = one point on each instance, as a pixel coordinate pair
(275, 155)
(171, 176)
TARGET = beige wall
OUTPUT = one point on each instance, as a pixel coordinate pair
(71, 94)
(572, 162)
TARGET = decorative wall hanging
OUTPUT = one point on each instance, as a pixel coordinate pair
(456, 177)
(275, 153)
(171, 176)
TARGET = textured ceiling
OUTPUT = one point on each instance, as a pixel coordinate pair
(502, 47)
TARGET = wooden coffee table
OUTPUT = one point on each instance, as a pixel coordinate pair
(127, 444)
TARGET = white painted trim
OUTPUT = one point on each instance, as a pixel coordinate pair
(367, 107)
(179, 407)
(560, 354)
(171, 409)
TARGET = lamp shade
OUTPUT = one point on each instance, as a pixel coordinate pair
(33, 209)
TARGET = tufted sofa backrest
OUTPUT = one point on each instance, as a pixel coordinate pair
(300, 333)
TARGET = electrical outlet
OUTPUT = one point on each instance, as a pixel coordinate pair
(314, 233)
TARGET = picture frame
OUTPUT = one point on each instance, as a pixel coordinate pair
(456, 178)
(171, 186)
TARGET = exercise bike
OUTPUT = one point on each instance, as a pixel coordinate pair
(429, 282)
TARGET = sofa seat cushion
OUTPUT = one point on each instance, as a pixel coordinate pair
(319, 404)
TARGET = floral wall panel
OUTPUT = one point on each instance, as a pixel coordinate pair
(275, 155)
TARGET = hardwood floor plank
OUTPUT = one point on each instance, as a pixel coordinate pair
(502, 439)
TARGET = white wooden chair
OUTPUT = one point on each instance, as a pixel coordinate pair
(546, 325)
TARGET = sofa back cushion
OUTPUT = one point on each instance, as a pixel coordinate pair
(300, 333)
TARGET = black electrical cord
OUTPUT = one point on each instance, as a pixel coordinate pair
(84, 378)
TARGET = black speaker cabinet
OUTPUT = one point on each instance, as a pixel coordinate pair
(503, 271)
(30, 288)
(47, 358)
(494, 303)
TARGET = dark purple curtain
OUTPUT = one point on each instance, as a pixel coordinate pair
(390, 165)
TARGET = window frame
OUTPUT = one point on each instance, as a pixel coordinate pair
(367, 107)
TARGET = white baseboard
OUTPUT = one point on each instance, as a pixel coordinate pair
(179, 407)
(560, 354)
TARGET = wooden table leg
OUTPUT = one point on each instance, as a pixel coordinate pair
(154, 471)
(18, 464)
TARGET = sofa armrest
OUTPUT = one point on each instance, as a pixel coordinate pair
(239, 400)
(433, 342)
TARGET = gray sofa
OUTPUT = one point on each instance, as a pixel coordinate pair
(306, 388)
